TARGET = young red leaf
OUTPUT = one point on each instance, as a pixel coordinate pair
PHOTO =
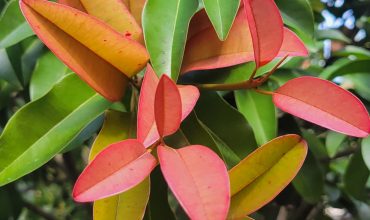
(147, 130)
(205, 51)
(266, 27)
(324, 103)
(116, 169)
(167, 107)
(199, 180)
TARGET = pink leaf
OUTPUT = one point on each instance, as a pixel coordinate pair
(205, 51)
(199, 180)
(324, 103)
(167, 107)
(116, 169)
(266, 26)
(292, 45)
(147, 130)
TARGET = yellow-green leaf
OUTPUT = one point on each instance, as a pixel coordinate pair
(130, 204)
(262, 175)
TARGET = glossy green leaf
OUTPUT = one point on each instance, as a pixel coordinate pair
(132, 203)
(360, 82)
(48, 71)
(29, 58)
(193, 131)
(356, 176)
(230, 126)
(260, 112)
(222, 14)
(365, 148)
(7, 71)
(298, 15)
(13, 26)
(165, 25)
(42, 128)
(309, 181)
(344, 67)
(262, 175)
(317, 147)
(333, 141)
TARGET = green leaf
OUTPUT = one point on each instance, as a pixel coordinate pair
(365, 148)
(360, 83)
(333, 141)
(29, 58)
(158, 207)
(298, 15)
(316, 145)
(344, 67)
(165, 26)
(193, 132)
(222, 14)
(42, 128)
(48, 71)
(260, 112)
(7, 71)
(309, 181)
(230, 126)
(356, 176)
(13, 26)
(332, 34)
(350, 50)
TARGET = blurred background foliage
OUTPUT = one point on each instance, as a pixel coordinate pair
(334, 181)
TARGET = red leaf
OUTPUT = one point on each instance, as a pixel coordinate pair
(199, 180)
(205, 51)
(147, 130)
(292, 45)
(266, 26)
(167, 107)
(116, 169)
(324, 103)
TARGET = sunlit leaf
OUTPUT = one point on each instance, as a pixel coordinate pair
(48, 71)
(205, 51)
(165, 25)
(198, 178)
(13, 26)
(101, 58)
(260, 112)
(261, 176)
(73, 3)
(221, 14)
(167, 107)
(116, 14)
(266, 27)
(327, 105)
(116, 169)
(48, 131)
(132, 203)
(147, 130)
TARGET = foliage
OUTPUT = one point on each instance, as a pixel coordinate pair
(174, 98)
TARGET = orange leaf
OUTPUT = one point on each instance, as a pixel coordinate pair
(199, 180)
(167, 107)
(116, 14)
(266, 26)
(324, 103)
(116, 169)
(73, 3)
(205, 51)
(136, 8)
(146, 128)
(99, 58)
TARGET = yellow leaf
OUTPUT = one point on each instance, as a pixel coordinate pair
(136, 8)
(261, 176)
(130, 204)
(73, 3)
(99, 57)
(116, 14)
